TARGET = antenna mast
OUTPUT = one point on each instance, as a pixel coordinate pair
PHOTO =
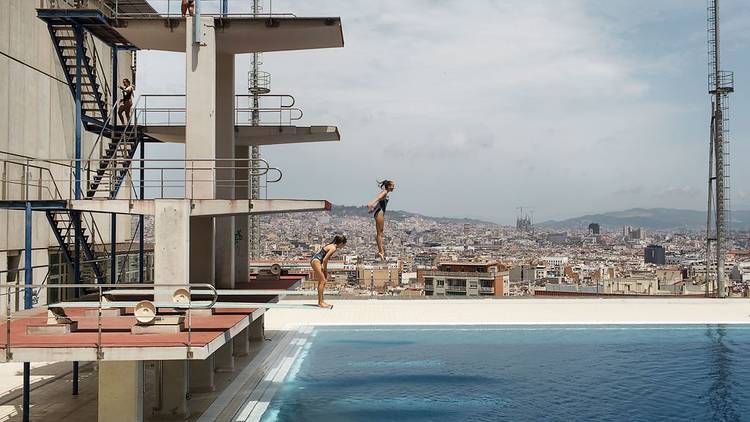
(720, 85)
(259, 83)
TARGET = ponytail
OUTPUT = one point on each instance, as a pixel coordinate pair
(339, 240)
(385, 183)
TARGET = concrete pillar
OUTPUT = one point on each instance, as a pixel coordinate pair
(200, 126)
(225, 176)
(241, 191)
(120, 391)
(257, 329)
(173, 391)
(171, 240)
(241, 343)
(202, 250)
(224, 358)
(202, 375)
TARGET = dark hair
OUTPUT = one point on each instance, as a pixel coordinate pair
(385, 184)
(126, 79)
(339, 240)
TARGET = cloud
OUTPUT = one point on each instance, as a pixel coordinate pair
(548, 102)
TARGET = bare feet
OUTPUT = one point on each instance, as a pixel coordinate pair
(382, 256)
(325, 305)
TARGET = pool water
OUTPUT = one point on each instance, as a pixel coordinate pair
(571, 373)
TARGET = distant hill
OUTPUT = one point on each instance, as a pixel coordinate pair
(649, 218)
(352, 211)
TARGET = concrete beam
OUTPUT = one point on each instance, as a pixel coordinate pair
(238, 35)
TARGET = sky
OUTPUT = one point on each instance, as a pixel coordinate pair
(476, 108)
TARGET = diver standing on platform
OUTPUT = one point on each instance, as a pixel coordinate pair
(319, 264)
(377, 206)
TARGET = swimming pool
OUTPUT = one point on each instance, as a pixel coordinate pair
(531, 373)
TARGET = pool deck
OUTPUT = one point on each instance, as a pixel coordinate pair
(519, 311)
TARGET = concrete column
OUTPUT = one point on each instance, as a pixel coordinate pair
(257, 329)
(224, 358)
(202, 250)
(173, 391)
(225, 176)
(120, 391)
(171, 240)
(241, 191)
(202, 375)
(200, 127)
(241, 344)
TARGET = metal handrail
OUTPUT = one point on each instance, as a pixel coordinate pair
(100, 305)
(285, 110)
(194, 167)
(107, 91)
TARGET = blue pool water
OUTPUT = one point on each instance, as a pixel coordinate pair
(673, 373)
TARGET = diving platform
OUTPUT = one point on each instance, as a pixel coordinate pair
(253, 135)
(235, 34)
(109, 336)
(203, 207)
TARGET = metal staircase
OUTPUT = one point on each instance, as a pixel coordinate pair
(94, 88)
(69, 225)
(106, 175)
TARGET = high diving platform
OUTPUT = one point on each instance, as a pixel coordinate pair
(235, 34)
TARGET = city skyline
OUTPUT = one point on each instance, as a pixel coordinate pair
(475, 109)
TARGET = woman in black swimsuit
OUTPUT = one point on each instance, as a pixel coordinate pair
(127, 100)
(319, 264)
(377, 207)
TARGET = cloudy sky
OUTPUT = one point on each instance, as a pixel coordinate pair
(478, 107)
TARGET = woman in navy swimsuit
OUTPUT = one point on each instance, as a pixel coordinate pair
(377, 206)
(319, 264)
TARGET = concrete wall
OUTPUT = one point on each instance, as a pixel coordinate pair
(37, 114)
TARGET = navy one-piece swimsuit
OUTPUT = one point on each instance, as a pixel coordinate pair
(382, 204)
(320, 254)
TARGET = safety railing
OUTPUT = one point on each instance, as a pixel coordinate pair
(170, 110)
(173, 9)
(23, 180)
(163, 178)
(180, 298)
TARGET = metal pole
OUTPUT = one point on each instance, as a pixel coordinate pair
(28, 271)
(197, 33)
(79, 57)
(113, 247)
(141, 218)
(75, 378)
(26, 391)
(28, 274)
(77, 252)
(114, 76)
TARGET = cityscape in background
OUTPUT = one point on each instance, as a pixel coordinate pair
(429, 256)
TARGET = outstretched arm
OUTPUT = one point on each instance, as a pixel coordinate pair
(371, 204)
